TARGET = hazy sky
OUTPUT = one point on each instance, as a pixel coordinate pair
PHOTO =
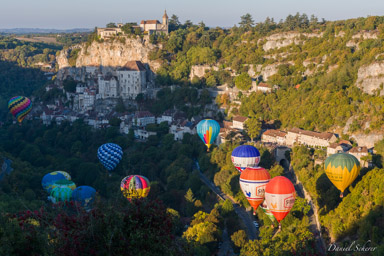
(90, 13)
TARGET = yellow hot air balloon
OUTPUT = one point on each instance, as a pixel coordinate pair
(342, 169)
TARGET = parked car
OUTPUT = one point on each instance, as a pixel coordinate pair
(256, 224)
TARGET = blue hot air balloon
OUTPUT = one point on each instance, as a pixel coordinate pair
(245, 156)
(110, 155)
(50, 179)
(85, 195)
(208, 130)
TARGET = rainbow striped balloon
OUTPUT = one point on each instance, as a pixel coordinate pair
(208, 130)
(135, 186)
(19, 106)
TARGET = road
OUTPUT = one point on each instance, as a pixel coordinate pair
(241, 212)
(313, 219)
(226, 248)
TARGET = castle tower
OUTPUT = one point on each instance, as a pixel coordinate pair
(165, 21)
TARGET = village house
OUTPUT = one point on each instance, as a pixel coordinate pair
(263, 87)
(342, 146)
(274, 136)
(154, 26)
(179, 129)
(167, 116)
(143, 134)
(238, 122)
(360, 152)
(309, 138)
(143, 118)
(105, 33)
(108, 87)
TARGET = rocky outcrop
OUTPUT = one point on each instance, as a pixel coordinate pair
(367, 140)
(109, 53)
(371, 78)
(280, 40)
(200, 70)
(366, 35)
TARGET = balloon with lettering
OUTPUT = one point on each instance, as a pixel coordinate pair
(49, 179)
(342, 169)
(60, 194)
(64, 184)
(280, 196)
(208, 130)
(245, 156)
(19, 106)
(252, 183)
(110, 155)
(135, 186)
(85, 195)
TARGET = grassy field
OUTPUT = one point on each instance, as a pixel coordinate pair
(39, 39)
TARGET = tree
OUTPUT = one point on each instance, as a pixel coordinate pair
(252, 248)
(246, 22)
(174, 23)
(243, 82)
(127, 28)
(239, 238)
(111, 25)
(253, 127)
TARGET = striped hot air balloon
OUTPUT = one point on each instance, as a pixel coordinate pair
(110, 155)
(245, 156)
(208, 130)
(342, 169)
(60, 195)
(19, 106)
(252, 183)
(280, 196)
(135, 186)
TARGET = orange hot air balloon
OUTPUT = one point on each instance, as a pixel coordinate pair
(280, 196)
(252, 183)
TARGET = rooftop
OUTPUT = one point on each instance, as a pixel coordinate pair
(133, 66)
(150, 22)
(275, 133)
(358, 150)
(240, 119)
(319, 135)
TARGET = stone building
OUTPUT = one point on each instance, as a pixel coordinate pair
(108, 86)
(274, 136)
(104, 33)
(132, 79)
(359, 152)
(154, 26)
(309, 138)
(238, 122)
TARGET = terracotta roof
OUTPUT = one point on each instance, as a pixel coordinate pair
(141, 114)
(275, 133)
(264, 85)
(227, 124)
(297, 86)
(358, 150)
(319, 135)
(333, 145)
(345, 142)
(150, 22)
(240, 118)
(133, 66)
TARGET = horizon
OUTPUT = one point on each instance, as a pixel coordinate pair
(89, 14)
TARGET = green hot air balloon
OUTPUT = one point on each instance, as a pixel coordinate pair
(60, 194)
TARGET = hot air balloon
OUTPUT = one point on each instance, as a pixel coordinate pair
(85, 195)
(135, 186)
(67, 176)
(342, 169)
(267, 212)
(49, 179)
(60, 195)
(252, 183)
(280, 196)
(208, 130)
(110, 155)
(245, 156)
(64, 184)
(19, 106)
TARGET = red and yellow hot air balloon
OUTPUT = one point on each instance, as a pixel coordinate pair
(252, 183)
(280, 196)
(135, 186)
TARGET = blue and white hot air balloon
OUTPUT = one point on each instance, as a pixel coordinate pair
(50, 179)
(85, 195)
(110, 155)
(245, 156)
(208, 130)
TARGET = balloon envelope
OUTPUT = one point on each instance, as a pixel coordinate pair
(280, 196)
(19, 106)
(342, 169)
(110, 155)
(267, 212)
(85, 195)
(208, 130)
(252, 183)
(61, 194)
(135, 186)
(64, 184)
(245, 156)
(67, 176)
(49, 179)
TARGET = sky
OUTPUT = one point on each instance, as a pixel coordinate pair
(66, 14)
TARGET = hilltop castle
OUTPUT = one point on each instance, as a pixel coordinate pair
(147, 26)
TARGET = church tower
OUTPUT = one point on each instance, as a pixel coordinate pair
(165, 21)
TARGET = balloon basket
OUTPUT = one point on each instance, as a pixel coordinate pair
(341, 195)
(279, 227)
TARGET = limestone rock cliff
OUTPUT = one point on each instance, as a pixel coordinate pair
(280, 40)
(110, 53)
(370, 78)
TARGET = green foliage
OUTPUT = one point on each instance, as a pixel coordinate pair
(239, 238)
(253, 127)
(243, 82)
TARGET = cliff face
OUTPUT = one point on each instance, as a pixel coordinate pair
(370, 78)
(280, 40)
(110, 53)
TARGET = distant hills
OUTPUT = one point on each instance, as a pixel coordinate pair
(42, 30)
